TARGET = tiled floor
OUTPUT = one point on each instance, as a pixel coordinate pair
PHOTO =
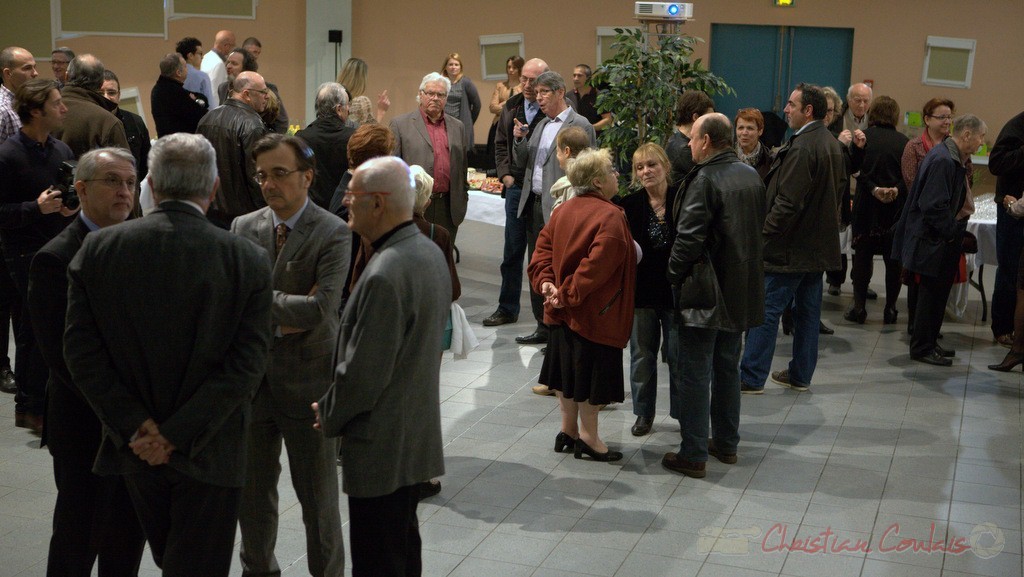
(881, 462)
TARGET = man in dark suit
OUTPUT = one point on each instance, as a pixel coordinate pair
(308, 249)
(174, 108)
(439, 143)
(328, 137)
(535, 150)
(384, 399)
(93, 516)
(928, 237)
(168, 327)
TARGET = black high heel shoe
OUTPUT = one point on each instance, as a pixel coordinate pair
(583, 448)
(562, 441)
(1011, 360)
(889, 315)
(856, 315)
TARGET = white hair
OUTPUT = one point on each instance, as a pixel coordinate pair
(434, 77)
(392, 175)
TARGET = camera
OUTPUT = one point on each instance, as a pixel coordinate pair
(68, 194)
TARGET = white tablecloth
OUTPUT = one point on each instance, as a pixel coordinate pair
(486, 207)
(982, 225)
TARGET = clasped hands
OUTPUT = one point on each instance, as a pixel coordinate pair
(885, 194)
(855, 136)
(149, 445)
(551, 295)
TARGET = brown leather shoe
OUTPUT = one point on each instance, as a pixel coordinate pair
(542, 390)
(32, 422)
(727, 458)
(672, 462)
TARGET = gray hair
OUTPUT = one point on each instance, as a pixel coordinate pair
(171, 63)
(90, 162)
(86, 71)
(551, 80)
(718, 129)
(65, 51)
(328, 97)
(589, 165)
(434, 77)
(390, 174)
(849, 91)
(182, 167)
(968, 123)
(424, 186)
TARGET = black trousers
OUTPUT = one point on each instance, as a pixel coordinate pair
(930, 309)
(533, 215)
(190, 525)
(10, 312)
(31, 369)
(384, 534)
(94, 518)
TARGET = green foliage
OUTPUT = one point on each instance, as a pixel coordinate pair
(641, 84)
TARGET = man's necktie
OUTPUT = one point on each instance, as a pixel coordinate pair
(281, 237)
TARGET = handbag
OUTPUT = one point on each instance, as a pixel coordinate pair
(699, 290)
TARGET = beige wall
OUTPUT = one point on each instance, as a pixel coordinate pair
(280, 25)
(889, 41)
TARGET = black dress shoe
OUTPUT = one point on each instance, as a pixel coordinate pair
(1010, 361)
(642, 426)
(856, 315)
(429, 488)
(933, 358)
(945, 352)
(536, 338)
(823, 330)
(499, 317)
(672, 462)
(872, 295)
(889, 315)
(7, 384)
(833, 289)
(564, 441)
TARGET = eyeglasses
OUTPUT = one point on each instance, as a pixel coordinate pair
(943, 117)
(263, 91)
(277, 175)
(115, 182)
(545, 91)
(432, 94)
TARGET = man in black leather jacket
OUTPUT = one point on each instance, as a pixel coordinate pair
(233, 128)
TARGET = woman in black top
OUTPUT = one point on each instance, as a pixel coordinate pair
(881, 193)
(649, 214)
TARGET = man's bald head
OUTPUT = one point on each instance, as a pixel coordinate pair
(858, 98)
(86, 71)
(533, 68)
(18, 66)
(251, 88)
(224, 42)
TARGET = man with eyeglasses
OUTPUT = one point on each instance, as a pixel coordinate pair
(534, 150)
(440, 144)
(308, 249)
(94, 517)
(233, 128)
(32, 213)
(59, 61)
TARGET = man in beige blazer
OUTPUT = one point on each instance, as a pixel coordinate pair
(440, 144)
(308, 249)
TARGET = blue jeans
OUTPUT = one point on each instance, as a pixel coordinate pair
(651, 327)
(710, 388)
(1009, 241)
(515, 251)
(804, 290)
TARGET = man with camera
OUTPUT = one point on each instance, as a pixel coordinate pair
(33, 210)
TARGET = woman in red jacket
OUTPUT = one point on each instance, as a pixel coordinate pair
(584, 265)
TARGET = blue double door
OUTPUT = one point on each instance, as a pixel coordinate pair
(763, 63)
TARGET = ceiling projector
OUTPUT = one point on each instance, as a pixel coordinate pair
(669, 11)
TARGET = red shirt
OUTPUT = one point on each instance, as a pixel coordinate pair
(442, 156)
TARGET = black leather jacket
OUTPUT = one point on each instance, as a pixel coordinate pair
(233, 129)
(720, 210)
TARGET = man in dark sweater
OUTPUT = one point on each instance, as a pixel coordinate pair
(31, 213)
(174, 108)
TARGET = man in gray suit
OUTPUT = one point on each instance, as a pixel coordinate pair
(439, 143)
(168, 327)
(384, 400)
(536, 151)
(308, 249)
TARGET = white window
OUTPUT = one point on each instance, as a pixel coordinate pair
(949, 62)
(495, 50)
(605, 39)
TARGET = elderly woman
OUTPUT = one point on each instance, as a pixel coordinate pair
(584, 266)
(690, 106)
(360, 111)
(881, 193)
(648, 213)
(749, 128)
(463, 99)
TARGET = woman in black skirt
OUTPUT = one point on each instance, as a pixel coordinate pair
(584, 265)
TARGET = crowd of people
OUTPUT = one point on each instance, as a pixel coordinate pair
(301, 287)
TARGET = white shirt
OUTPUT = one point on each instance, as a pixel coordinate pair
(544, 144)
(213, 65)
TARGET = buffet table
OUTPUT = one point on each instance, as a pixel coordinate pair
(982, 225)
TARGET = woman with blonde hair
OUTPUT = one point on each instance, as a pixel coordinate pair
(353, 77)
(463, 99)
(584, 265)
